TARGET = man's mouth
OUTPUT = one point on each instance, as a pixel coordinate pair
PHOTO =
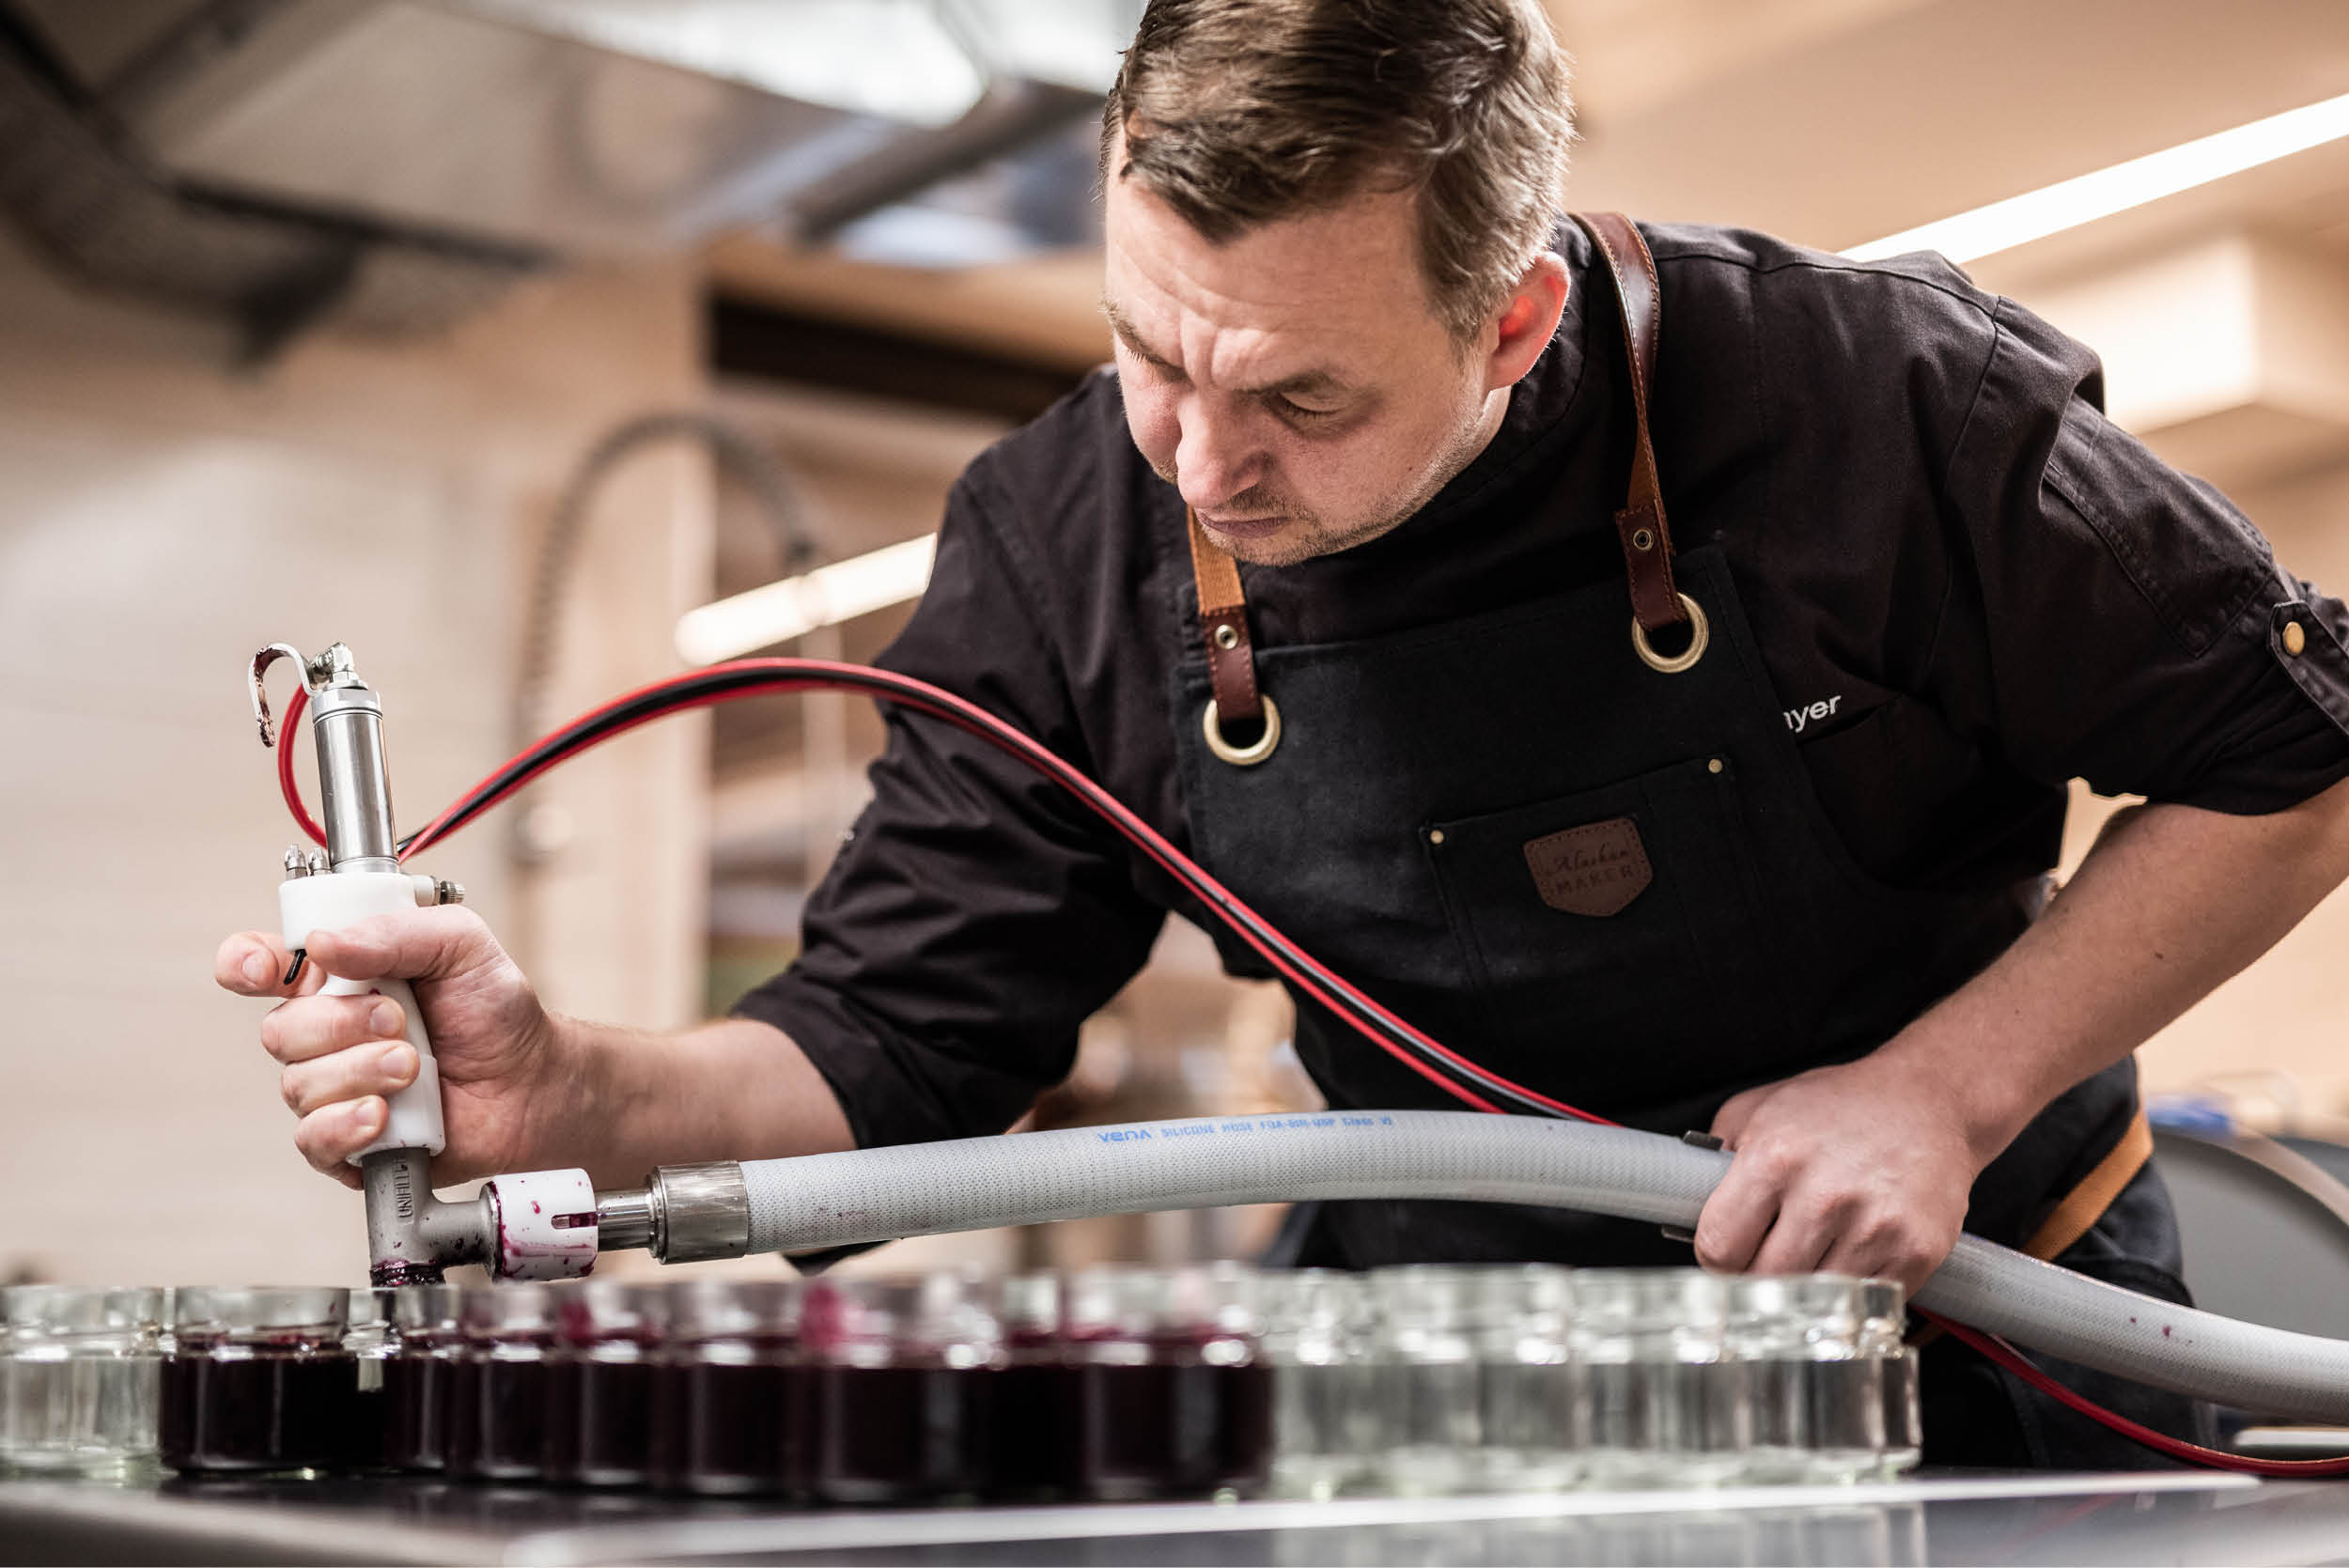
(1245, 528)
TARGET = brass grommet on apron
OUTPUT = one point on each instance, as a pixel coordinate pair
(1700, 633)
(1256, 750)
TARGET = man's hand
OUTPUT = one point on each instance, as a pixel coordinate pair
(495, 1045)
(1861, 1169)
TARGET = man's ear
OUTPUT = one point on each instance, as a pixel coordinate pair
(1526, 322)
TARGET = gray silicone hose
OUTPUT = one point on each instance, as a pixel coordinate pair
(864, 1195)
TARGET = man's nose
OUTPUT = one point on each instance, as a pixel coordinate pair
(1214, 458)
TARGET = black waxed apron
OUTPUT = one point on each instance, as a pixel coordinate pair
(1388, 832)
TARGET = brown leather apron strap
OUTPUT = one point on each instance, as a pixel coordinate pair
(1641, 526)
(1223, 620)
(2084, 1205)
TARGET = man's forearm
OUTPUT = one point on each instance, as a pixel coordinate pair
(730, 1089)
(2170, 902)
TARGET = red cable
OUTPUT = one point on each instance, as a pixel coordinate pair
(2013, 1360)
(795, 675)
(286, 784)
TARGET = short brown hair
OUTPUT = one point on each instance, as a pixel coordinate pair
(1238, 112)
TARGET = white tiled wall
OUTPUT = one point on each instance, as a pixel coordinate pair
(161, 517)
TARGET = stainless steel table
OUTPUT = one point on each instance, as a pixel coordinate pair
(2171, 1518)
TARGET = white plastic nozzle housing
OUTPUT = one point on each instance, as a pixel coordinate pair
(329, 903)
(545, 1225)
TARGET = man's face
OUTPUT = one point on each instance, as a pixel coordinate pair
(1292, 383)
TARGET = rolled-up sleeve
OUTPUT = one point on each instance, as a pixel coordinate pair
(2114, 620)
(976, 915)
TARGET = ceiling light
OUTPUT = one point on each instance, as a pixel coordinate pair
(798, 605)
(2068, 204)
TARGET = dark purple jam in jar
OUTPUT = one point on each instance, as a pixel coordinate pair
(500, 1393)
(1031, 1444)
(607, 1334)
(899, 1374)
(417, 1379)
(1171, 1400)
(728, 1415)
(370, 1341)
(260, 1381)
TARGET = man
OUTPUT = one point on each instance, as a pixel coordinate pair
(1793, 891)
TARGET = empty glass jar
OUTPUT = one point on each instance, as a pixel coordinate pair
(1845, 1383)
(1429, 1407)
(1532, 1407)
(79, 1379)
(1883, 1327)
(1669, 1404)
(1315, 1339)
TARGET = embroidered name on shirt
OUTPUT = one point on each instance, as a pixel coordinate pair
(1798, 717)
(1593, 870)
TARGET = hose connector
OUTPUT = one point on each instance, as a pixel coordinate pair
(682, 1214)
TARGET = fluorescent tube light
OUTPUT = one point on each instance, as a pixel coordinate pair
(2068, 204)
(797, 605)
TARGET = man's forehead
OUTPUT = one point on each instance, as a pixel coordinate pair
(1336, 289)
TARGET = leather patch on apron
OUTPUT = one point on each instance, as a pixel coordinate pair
(1592, 870)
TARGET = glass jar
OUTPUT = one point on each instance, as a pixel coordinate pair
(1531, 1408)
(1424, 1358)
(1315, 1339)
(1883, 1330)
(79, 1379)
(260, 1381)
(500, 1386)
(1033, 1414)
(607, 1334)
(371, 1342)
(1845, 1384)
(729, 1390)
(418, 1380)
(1668, 1405)
(898, 1375)
(1769, 1336)
(1217, 1330)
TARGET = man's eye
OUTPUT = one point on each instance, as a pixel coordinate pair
(1290, 408)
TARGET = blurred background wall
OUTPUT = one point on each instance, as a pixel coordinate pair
(317, 316)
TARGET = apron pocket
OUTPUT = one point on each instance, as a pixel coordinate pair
(1614, 940)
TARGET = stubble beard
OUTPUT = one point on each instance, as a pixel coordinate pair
(1310, 535)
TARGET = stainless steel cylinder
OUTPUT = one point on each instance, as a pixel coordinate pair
(354, 779)
(624, 1219)
(700, 1211)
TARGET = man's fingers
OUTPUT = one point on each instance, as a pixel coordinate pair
(347, 1075)
(413, 945)
(1886, 1251)
(1737, 1216)
(329, 1138)
(255, 964)
(1736, 1111)
(1804, 1234)
(319, 1026)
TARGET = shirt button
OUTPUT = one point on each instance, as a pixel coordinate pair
(2295, 639)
